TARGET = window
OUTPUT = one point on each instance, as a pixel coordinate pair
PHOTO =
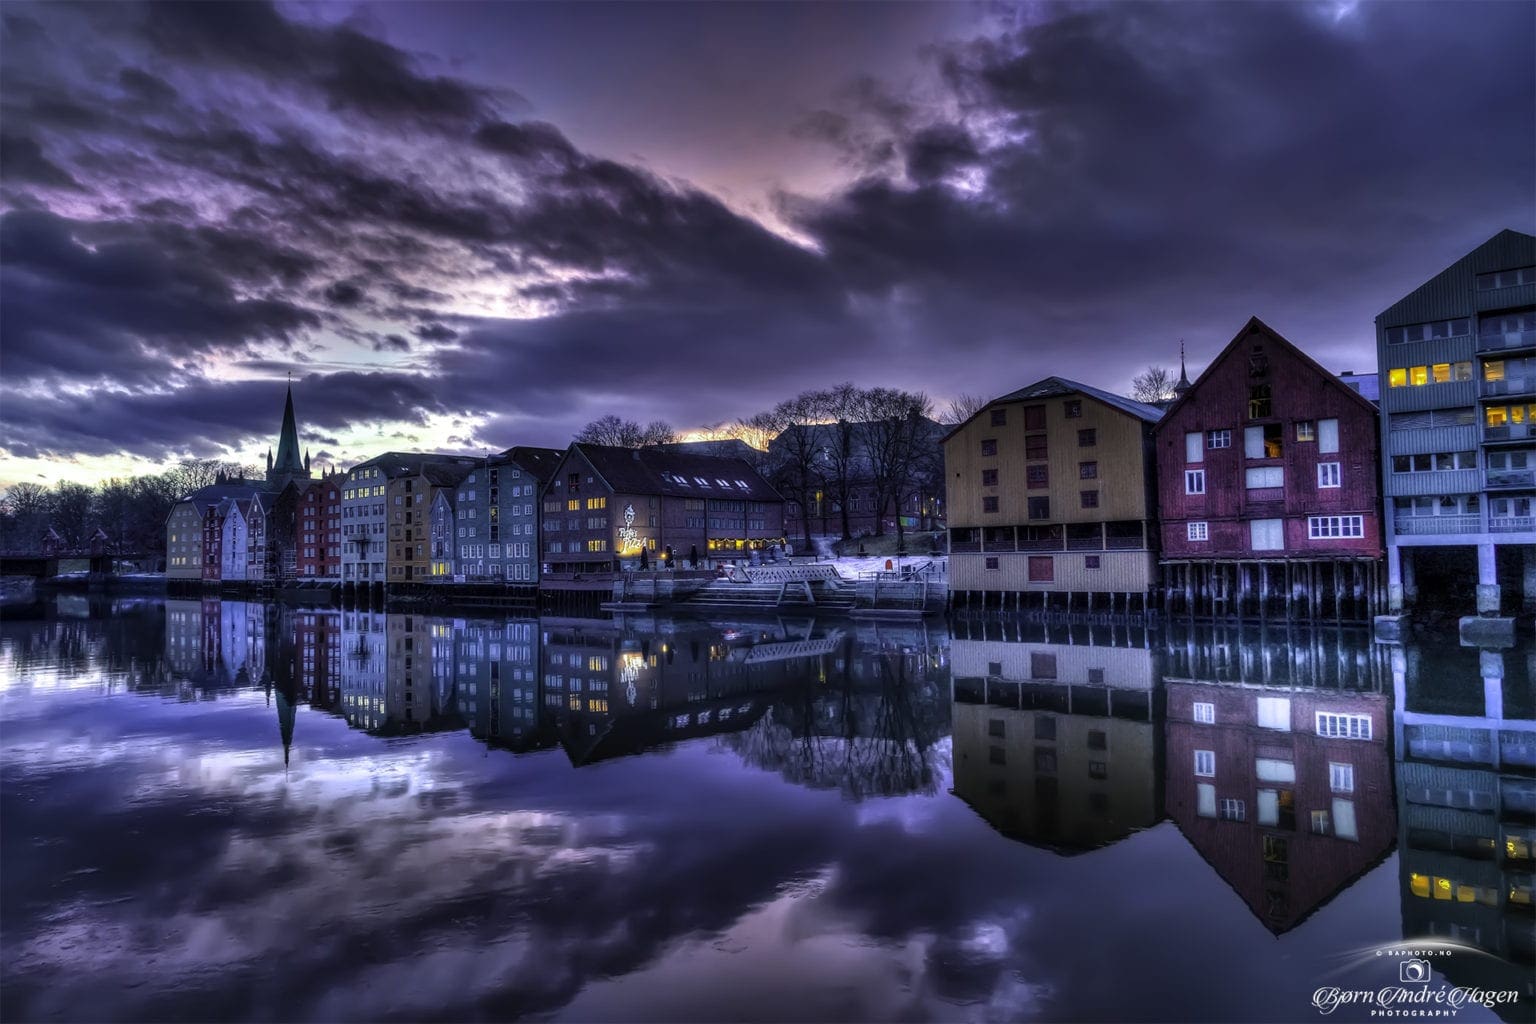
(1344, 819)
(1275, 713)
(1197, 531)
(989, 446)
(1205, 800)
(1087, 438)
(1271, 769)
(1034, 417)
(1507, 415)
(1341, 777)
(1092, 561)
(1072, 408)
(1087, 470)
(1045, 728)
(1194, 481)
(1090, 499)
(1432, 462)
(991, 563)
(1037, 476)
(1266, 534)
(1260, 477)
(989, 503)
(989, 478)
(1435, 373)
(1429, 332)
(1506, 278)
(1034, 446)
(1205, 713)
(1218, 439)
(1233, 810)
(999, 417)
(1039, 508)
(1264, 441)
(1328, 474)
(1205, 763)
(1042, 569)
(1258, 401)
(1042, 665)
(1194, 451)
(1327, 436)
(1335, 527)
(1344, 727)
(1306, 430)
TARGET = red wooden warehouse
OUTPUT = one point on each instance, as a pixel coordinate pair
(1267, 480)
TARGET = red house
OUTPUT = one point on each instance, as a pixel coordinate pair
(319, 528)
(1268, 486)
(213, 540)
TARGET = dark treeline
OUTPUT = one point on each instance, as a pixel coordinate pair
(130, 512)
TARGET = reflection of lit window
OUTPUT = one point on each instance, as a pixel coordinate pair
(1493, 369)
(1443, 888)
(1419, 885)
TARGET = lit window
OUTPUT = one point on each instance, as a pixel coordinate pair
(1306, 430)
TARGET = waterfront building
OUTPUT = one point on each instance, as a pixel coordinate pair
(192, 527)
(444, 552)
(607, 508)
(1051, 489)
(1457, 358)
(234, 545)
(409, 500)
(498, 510)
(1267, 486)
(365, 514)
(318, 543)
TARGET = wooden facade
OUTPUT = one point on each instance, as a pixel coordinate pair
(318, 543)
(1050, 489)
(1274, 436)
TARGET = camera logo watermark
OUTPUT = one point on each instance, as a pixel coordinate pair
(1416, 993)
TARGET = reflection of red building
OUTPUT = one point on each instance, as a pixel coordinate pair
(1286, 792)
(318, 543)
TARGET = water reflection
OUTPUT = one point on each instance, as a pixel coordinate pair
(497, 817)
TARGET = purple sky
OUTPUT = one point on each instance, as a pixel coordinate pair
(470, 226)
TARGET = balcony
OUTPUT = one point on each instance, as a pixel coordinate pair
(1511, 479)
(1420, 526)
(1506, 341)
(1509, 387)
(1511, 524)
(1508, 432)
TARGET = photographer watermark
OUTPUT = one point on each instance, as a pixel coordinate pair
(1415, 992)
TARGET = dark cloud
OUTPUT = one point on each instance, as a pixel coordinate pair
(23, 160)
(343, 293)
(147, 87)
(351, 70)
(436, 332)
(392, 343)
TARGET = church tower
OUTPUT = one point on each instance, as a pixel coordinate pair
(289, 464)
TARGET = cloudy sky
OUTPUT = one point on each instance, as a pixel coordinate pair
(467, 226)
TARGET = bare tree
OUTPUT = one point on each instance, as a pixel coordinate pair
(893, 429)
(961, 408)
(1155, 385)
(795, 427)
(657, 432)
(622, 433)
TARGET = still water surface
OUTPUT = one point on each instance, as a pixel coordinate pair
(230, 810)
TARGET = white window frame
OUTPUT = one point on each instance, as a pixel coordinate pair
(1327, 436)
(1233, 809)
(1341, 777)
(1198, 530)
(1337, 726)
(1335, 527)
(1205, 764)
(1194, 481)
(1273, 713)
(1264, 476)
(1194, 447)
(1218, 438)
(1258, 528)
(1204, 712)
(1329, 475)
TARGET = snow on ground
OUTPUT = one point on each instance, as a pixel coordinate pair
(853, 567)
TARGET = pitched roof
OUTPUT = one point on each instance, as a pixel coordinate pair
(1052, 387)
(541, 462)
(1255, 324)
(398, 464)
(654, 471)
(1445, 294)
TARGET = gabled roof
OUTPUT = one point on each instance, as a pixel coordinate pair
(1255, 324)
(1444, 295)
(398, 464)
(654, 471)
(1053, 387)
(445, 475)
(541, 462)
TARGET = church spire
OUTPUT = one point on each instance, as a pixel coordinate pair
(288, 462)
(1183, 384)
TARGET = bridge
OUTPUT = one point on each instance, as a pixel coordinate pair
(43, 566)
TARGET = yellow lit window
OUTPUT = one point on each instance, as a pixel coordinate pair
(1497, 415)
(574, 505)
(1465, 894)
(1397, 378)
(1441, 372)
(1443, 888)
(1516, 848)
(1418, 376)
(1493, 369)
(1517, 413)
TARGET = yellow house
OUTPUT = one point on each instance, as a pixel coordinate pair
(1051, 489)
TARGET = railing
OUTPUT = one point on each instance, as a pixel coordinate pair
(1502, 478)
(1511, 524)
(1506, 340)
(1114, 543)
(1423, 525)
(1509, 386)
(1508, 432)
(1085, 543)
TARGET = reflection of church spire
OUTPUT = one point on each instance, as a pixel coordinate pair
(286, 713)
